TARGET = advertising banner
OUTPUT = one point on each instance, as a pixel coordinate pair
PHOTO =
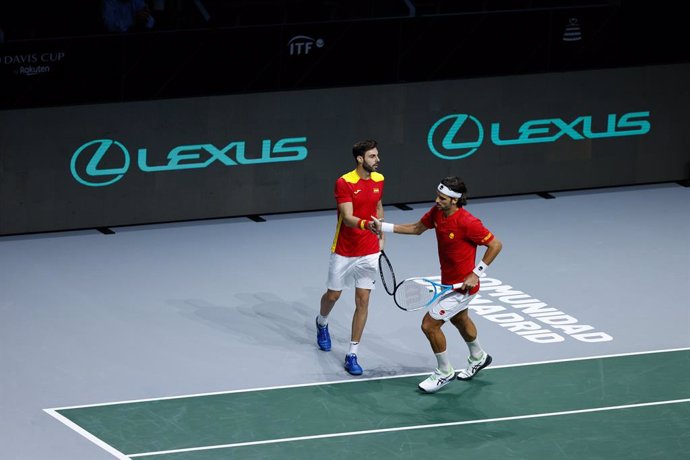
(179, 159)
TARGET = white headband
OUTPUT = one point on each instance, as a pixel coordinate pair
(448, 192)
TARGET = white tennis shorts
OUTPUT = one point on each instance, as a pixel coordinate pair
(360, 272)
(450, 304)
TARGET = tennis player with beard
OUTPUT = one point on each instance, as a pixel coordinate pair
(458, 233)
(356, 247)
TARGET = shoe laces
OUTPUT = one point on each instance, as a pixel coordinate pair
(438, 375)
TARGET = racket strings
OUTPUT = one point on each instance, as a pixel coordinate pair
(387, 275)
(414, 293)
(388, 278)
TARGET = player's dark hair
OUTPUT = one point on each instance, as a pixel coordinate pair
(362, 147)
(457, 185)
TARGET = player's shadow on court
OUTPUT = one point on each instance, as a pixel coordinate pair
(266, 320)
(457, 402)
(259, 318)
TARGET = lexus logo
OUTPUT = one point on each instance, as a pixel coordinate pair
(455, 136)
(92, 153)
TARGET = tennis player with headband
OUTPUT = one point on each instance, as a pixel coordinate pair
(458, 233)
(356, 247)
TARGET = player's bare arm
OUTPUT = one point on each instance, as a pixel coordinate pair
(492, 250)
(416, 228)
(372, 224)
(349, 219)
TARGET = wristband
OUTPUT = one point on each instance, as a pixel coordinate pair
(387, 227)
(480, 269)
(362, 223)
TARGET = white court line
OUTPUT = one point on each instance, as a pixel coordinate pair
(103, 445)
(409, 428)
(356, 380)
(120, 456)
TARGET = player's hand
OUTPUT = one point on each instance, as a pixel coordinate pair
(375, 225)
(470, 282)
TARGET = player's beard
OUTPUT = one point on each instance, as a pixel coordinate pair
(368, 168)
(447, 209)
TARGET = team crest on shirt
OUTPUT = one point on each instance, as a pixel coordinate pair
(451, 235)
(376, 190)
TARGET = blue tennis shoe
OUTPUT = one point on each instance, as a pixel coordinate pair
(323, 338)
(352, 366)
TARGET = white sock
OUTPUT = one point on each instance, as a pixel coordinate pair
(476, 351)
(322, 320)
(443, 363)
(353, 348)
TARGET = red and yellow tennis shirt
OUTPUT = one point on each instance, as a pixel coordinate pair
(364, 194)
(458, 237)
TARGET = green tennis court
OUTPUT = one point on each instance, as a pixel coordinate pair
(625, 406)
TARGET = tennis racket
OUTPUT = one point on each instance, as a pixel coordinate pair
(387, 273)
(418, 293)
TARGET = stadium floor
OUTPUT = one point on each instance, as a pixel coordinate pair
(196, 340)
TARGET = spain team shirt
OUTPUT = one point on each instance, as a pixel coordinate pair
(364, 194)
(458, 237)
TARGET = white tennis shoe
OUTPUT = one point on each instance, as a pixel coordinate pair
(436, 381)
(474, 367)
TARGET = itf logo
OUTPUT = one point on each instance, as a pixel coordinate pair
(458, 136)
(572, 32)
(302, 45)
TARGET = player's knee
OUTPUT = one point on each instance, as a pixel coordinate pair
(333, 296)
(425, 328)
(429, 327)
(460, 319)
(362, 297)
(362, 304)
(465, 326)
